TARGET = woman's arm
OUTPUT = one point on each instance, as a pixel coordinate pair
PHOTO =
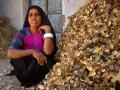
(48, 42)
(16, 53)
(48, 46)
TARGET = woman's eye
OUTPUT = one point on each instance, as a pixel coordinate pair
(37, 14)
(30, 15)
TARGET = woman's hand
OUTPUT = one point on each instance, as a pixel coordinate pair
(46, 28)
(40, 57)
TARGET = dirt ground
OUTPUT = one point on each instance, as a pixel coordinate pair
(9, 82)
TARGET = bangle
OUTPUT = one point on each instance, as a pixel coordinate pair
(46, 35)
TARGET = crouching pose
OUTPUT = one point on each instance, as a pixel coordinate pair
(33, 48)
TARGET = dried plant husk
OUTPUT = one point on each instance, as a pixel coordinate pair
(7, 33)
(89, 49)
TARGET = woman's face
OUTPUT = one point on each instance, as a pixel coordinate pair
(34, 18)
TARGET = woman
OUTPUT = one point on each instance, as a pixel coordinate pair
(33, 48)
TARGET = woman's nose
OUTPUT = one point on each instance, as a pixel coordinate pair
(33, 17)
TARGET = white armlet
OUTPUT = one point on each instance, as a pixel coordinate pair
(46, 35)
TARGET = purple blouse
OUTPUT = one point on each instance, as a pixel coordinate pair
(24, 39)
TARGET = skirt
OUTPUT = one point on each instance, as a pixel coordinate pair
(28, 71)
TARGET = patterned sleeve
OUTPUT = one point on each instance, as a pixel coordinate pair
(17, 42)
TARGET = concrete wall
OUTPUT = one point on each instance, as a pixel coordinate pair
(15, 9)
(69, 7)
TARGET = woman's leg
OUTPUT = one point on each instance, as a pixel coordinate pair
(41, 71)
(24, 69)
(28, 71)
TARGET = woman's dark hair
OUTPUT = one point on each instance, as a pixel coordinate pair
(44, 21)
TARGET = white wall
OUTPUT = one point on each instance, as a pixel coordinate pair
(69, 7)
(14, 9)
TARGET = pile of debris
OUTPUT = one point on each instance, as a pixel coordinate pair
(6, 35)
(89, 50)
